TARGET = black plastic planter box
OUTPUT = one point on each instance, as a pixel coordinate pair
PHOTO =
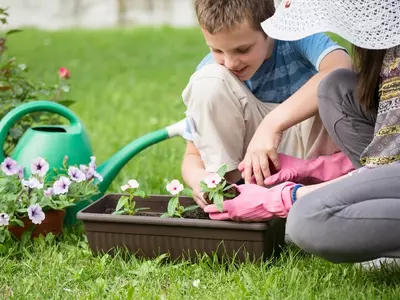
(148, 236)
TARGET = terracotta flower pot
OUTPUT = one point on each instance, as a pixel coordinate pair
(52, 223)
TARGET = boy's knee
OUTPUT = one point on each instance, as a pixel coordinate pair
(210, 86)
(214, 71)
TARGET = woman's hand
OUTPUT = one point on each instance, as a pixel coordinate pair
(261, 151)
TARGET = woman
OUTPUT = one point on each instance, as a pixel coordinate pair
(355, 218)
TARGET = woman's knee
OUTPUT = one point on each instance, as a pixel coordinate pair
(307, 226)
(335, 89)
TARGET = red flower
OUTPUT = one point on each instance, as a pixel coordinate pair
(64, 73)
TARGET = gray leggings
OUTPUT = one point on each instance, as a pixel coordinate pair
(357, 218)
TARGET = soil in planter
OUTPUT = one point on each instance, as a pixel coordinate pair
(193, 214)
(232, 190)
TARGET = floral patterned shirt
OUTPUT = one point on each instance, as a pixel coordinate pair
(385, 146)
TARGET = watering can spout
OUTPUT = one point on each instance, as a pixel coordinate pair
(111, 167)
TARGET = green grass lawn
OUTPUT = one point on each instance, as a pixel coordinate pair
(128, 83)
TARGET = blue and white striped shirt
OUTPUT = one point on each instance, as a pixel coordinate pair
(291, 65)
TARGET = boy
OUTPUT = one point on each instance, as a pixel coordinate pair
(253, 96)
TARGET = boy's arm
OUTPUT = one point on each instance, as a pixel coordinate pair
(300, 106)
(304, 103)
(193, 171)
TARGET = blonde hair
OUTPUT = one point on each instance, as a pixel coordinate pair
(220, 15)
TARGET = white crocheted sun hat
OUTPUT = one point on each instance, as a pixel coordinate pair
(370, 24)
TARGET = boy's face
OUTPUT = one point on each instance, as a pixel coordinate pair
(241, 49)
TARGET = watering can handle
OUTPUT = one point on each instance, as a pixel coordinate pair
(17, 113)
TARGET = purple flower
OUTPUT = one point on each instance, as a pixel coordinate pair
(20, 172)
(48, 192)
(9, 166)
(76, 174)
(61, 185)
(90, 171)
(4, 219)
(36, 214)
(92, 164)
(32, 183)
(39, 166)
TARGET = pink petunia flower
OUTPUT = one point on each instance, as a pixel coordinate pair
(174, 187)
(132, 184)
(212, 180)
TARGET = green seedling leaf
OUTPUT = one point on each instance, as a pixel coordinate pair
(219, 202)
(142, 208)
(119, 212)
(187, 192)
(172, 204)
(190, 208)
(204, 187)
(211, 195)
(229, 195)
(121, 203)
(222, 170)
(140, 193)
(228, 187)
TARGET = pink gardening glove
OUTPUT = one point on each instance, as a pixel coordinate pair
(310, 171)
(255, 203)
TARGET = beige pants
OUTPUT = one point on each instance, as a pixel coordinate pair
(223, 116)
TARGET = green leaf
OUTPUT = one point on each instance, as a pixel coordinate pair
(66, 103)
(172, 204)
(222, 170)
(228, 187)
(211, 195)
(165, 215)
(3, 236)
(122, 202)
(12, 31)
(229, 195)
(142, 208)
(18, 222)
(204, 187)
(119, 212)
(140, 193)
(190, 208)
(219, 202)
(187, 192)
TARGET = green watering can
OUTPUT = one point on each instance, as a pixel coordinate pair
(54, 142)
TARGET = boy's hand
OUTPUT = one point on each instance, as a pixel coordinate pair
(262, 149)
(198, 197)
